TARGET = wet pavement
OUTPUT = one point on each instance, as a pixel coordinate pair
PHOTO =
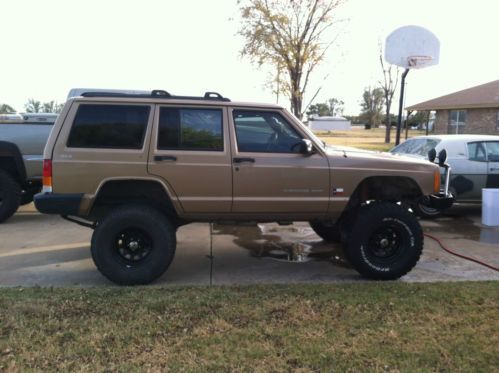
(46, 250)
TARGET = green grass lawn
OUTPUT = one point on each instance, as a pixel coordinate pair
(367, 326)
(373, 139)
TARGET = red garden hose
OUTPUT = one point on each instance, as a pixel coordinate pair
(461, 255)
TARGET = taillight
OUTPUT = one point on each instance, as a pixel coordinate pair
(47, 176)
(436, 181)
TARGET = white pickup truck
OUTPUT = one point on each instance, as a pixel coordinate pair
(22, 140)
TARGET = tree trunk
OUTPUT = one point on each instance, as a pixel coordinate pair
(296, 104)
(388, 125)
(296, 99)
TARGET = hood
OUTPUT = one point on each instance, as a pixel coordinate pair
(377, 159)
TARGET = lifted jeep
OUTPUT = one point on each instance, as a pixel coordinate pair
(136, 166)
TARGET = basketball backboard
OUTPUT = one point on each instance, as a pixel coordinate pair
(412, 47)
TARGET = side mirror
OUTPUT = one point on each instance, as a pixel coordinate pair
(306, 147)
(432, 154)
(442, 157)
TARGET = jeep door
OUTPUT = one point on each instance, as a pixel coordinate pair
(270, 174)
(190, 151)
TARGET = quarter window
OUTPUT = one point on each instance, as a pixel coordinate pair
(266, 132)
(190, 129)
(109, 126)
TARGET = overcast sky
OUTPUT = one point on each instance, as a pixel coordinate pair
(191, 46)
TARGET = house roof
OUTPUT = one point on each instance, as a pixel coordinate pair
(481, 96)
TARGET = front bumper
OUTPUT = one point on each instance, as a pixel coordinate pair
(440, 201)
(444, 199)
(58, 203)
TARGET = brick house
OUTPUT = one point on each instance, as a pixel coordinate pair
(474, 110)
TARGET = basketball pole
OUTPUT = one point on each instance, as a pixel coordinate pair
(401, 104)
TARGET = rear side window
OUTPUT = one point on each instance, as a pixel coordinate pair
(109, 126)
(190, 129)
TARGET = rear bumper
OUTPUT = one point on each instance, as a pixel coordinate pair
(60, 204)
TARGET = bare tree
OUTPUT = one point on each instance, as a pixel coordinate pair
(288, 34)
(388, 85)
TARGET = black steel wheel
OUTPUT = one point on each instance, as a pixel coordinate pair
(133, 245)
(386, 241)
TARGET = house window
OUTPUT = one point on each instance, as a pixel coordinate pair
(457, 121)
(497, 120)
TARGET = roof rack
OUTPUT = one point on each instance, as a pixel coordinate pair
(157, 93)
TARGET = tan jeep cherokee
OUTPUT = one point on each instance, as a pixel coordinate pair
(135, 167)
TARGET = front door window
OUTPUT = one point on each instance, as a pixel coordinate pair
(264, 132)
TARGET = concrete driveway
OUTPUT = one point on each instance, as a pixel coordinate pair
(46, 250)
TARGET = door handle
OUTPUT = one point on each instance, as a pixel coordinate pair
(494, 169)
(243, 160)
(161, 158)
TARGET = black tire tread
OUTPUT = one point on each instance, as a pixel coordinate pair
(375, 212)
(11, 191)
(154, 220)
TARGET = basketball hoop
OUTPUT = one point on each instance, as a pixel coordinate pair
(411, 47)
(418, 62)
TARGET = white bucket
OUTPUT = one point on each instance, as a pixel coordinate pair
(490, 207)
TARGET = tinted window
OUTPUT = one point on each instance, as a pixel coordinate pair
(265, 132)
(109, 126)
(416, 146)
(190, 129)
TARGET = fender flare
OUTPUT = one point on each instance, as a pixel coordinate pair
(10, 150)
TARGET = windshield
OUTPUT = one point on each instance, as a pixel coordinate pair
(416, 146)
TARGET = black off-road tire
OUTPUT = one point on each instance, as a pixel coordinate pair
(426, 212)
(10, 196)
(386, 241)
(141, 226)
(329, 232)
